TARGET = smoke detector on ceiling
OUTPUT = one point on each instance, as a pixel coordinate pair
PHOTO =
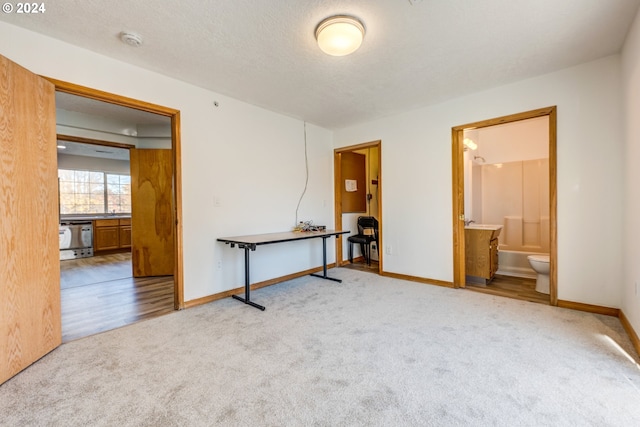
(132, 39)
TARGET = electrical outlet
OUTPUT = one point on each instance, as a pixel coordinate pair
(389, 250)
(216, 201)
(219, 265)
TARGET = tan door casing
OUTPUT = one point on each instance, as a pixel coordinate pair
(339, 184)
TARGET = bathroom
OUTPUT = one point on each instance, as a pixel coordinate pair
(506, 183)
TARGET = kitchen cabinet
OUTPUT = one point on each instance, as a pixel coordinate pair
(111, 234)
(125, 233)
(481, 255)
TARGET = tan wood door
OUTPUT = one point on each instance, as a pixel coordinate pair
(30, 319)
(152, 236)
(354, 186)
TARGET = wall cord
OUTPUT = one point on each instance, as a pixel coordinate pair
(306, 165)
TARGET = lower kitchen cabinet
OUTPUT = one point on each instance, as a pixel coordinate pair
(125, 236)
(111, 234)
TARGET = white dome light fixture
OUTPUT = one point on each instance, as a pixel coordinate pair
(340, 35)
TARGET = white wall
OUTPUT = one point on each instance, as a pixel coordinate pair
(509, 142)
(112, 130)
(631, 225)
(512, 142)
(66, 161)
(88, 126)
(416, 166)
(250, 159)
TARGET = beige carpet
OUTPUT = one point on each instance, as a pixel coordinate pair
(371, 351)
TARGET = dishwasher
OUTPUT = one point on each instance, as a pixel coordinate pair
(76, 240)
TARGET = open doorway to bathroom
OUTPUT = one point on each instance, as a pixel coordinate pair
(504, 193)
(358, 195)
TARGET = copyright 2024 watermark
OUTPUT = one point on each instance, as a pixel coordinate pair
(24, 8)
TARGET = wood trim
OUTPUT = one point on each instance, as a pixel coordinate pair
(237, 291)
(633, 336)
(457, 168)
(177, 176)
(553, 206)
(589, 308)
(380, 234)
(370, 144)
(124, 101)
(71, 138)
(337, 197)
(458, 192)
(337, 189)
(507, 119)
(418, 279)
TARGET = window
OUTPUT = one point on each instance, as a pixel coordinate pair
(118, 198)
(90, 192)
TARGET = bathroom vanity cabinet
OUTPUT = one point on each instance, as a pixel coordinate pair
(481, 253)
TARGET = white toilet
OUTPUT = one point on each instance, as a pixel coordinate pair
(540, 263)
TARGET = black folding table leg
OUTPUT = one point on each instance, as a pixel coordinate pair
(324, 262)
(247, 282)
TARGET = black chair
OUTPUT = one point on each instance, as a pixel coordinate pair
(370, 224)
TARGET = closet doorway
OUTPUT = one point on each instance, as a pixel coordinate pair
(358, 193)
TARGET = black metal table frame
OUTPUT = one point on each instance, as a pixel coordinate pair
(251, 246)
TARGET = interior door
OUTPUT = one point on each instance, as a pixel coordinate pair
(152, 221)
(30, 318)
(354, 186)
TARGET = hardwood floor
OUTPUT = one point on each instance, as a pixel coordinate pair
(512, 287)
(359, 264)
(99, 294)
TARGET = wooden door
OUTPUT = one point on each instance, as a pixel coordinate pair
(30, 319)
(152, 237)
(354, 185)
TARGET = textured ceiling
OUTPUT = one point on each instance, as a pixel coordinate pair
(415, 53)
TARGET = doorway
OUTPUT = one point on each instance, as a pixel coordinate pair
(166, 291)
(358, 193)
(98, 290)
(460, 192)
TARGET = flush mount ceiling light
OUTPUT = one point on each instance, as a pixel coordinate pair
(340, 35)
(132, 39)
